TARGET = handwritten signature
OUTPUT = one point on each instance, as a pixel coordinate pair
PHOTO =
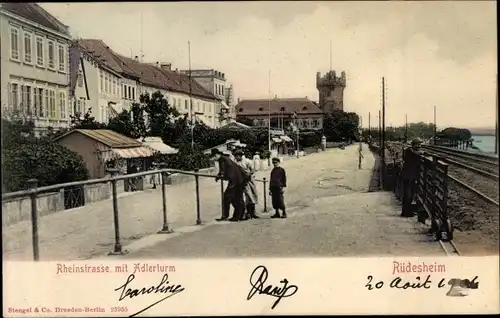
(164, 287)
(257, 280)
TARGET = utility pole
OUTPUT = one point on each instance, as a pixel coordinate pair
(406, 128)
(435, 129)
(369, 125)
(269, 120)
(190, 99)
(379, 128)
(496, 116)
(382, 148)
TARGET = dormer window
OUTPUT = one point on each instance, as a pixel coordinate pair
(261, 109)
(282, 109)
(304, 108)
(240, 110)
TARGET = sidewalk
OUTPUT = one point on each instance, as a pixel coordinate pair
(328, 227)
(88, 231)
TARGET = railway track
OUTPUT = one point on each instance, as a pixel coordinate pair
(483, 164)
(449, 248)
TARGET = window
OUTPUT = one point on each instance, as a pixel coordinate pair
(39, 110)
(261, 109)
(39, 51)
(185, 104)
(204, 105)
(27, 47)
(80, 79)
(198, 106)
(52, 63)
(46, 103)
(62, 58)
(113, 85)
(133, 93)
(123, 91)
(26, 99)
(106, 83)
(14, 43)
(14, 96)
(62, 105)
(102, 80)
(52, 104)
(315, 123)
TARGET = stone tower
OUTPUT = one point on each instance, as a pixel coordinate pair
(331, 91)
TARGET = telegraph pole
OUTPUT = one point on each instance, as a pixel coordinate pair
(269, 120)
(496, 117)
(369, 125)
(406, 128)
(383, 121)
(190, 99)
(379, 128)
(435, 129)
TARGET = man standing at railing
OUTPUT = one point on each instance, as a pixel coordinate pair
(411, 170)
(233, 195)
(250, 192)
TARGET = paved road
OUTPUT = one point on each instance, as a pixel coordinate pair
(88, 231)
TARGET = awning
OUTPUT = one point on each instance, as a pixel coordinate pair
(277, 139)
(136, 152)
(286, 138)
(156, 144)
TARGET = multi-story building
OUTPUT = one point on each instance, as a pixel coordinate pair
(281, 111)
(136, 78)
(34, 65)
(331, 91)
(215, 82)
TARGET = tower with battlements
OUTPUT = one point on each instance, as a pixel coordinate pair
(331, 91)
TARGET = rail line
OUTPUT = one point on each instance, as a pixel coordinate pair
(478, 193)
(449, 248)
(479, 158)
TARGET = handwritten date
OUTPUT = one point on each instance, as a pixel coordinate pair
(418, 282)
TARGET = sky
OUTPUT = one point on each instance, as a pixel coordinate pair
(430, 53)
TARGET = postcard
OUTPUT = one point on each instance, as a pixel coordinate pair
(249, 158)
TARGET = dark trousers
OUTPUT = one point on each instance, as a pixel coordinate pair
(233, 196)
(277, 199)
(409, 192)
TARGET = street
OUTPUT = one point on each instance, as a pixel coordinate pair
(321, 186)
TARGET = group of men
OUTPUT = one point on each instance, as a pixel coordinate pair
(241, 190)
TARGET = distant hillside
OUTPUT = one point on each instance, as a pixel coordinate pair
(482, 131)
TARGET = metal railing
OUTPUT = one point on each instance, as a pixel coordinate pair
(431, 193)
(34, 191)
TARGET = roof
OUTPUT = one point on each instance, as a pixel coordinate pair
(277, 105)
(235, 125)
(156, 144)
(36, 14)
(147, 74)
(108, 137)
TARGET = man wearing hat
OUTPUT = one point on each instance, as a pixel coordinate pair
(250, 192)
(411, 170)
(233, 195)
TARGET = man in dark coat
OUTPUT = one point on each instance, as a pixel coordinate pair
(411, 170)
(233, 195)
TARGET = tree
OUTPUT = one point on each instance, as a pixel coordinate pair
(453, 133)
(25, 157)
(340, 125)
(123, 124)
(86, 122)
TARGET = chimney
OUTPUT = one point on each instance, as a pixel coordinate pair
(136, 58)
(238, 99)
(275, 96)
(166, 66)
(158, 64)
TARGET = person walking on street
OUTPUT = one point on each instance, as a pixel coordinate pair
(233, 195)
(277, 185)
(360, 156)
(132, 181)
(411, 170)
(250, 191)
(152, 180)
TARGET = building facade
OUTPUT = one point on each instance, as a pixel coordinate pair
(281, 111)
(214, 81)
(331, 91)
(34, 66)
(135, 78)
